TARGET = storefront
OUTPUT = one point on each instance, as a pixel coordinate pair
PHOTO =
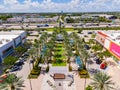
(100, 37)
(115, 49)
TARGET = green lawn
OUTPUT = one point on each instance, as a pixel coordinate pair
(69, 29)
(66, 29)
(62, 57)
(59, 45)
(59, 64)
(49, 29)
(60, 51)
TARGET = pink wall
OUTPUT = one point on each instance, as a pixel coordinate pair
(114, 48)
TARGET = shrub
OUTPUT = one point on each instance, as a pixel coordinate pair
(35, 72)
(84, 74)
(37, 68)
(70, 68)
(58, 61)
(32, 76)
(88, 88)
(10, 60)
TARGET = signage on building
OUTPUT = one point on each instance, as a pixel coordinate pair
(115, 49)
(101, 37)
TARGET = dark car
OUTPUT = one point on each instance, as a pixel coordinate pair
(89, 32)
(26, 54)
(46, 25)
(22, 60)
(95, 58)
(98, 61)
(19, 64)
(15, 68)
(86, 47)
(31, 61)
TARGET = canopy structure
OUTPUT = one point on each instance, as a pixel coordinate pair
(60, 37)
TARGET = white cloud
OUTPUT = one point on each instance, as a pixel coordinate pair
(50, 6)
(1, 7)
(11, 2)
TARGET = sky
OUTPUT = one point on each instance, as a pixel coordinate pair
(38, 6)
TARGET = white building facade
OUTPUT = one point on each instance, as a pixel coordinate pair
(9, 40)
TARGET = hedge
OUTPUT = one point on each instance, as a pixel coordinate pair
(84, 74)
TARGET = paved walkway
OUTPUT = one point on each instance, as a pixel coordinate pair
(80, 83)
(113, 71)
(45, 85)
(58, 69)
(41, 82)
(35, 83)
(30, 84)
(64, 84)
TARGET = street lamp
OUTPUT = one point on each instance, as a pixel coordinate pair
(30, 71)
(29, 78)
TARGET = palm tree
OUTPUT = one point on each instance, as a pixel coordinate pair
(37, 46)
(84, 56)
(69, 55)
(12, 82)
(32, 53)
(101, 81)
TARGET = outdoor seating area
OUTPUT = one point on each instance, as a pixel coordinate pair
(50, 83)
(70, 83)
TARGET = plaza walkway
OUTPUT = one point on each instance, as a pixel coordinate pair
(35, 83)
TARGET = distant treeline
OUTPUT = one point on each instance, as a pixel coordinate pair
(5, 17)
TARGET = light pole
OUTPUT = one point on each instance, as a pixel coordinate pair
(29, 72)
(85, 75)
(29, 78)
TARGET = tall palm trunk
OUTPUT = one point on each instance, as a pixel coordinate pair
(12, 87)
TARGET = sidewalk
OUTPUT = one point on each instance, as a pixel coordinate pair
(80, 83)
(36, 84)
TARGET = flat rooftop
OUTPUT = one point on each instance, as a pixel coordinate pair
(7, 36)
(13, 32)
(113, 35)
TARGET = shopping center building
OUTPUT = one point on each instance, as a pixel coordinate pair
(110, 40)
(10, 40)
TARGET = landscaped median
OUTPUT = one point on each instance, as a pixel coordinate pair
(59, 64)
(35, 72)
(59, 59)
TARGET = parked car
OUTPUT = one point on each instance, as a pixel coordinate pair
(26, 54)
(103, 65)
(98, 61)
(86, 47)
(31, 61)
(22, 60)
(19, 64)
(1, 80)
(89, 32)
(46, 25)
(15, 68)
(95, 58)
